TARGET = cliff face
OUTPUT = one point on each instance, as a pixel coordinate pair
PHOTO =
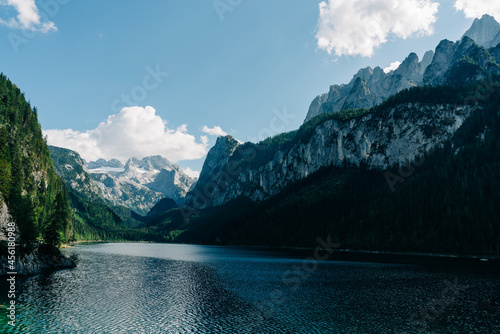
(390, 137)
(36, 262)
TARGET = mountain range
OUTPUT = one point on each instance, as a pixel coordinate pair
(378, 137)
(138, 185)
(370, 87)
(406, 160)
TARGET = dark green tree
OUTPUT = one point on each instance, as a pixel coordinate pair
(58, 222)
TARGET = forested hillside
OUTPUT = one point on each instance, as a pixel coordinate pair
(36, 199)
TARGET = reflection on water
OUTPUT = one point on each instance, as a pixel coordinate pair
(155, 288)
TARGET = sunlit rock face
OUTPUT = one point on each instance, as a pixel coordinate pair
(379, 140)
(485, 31)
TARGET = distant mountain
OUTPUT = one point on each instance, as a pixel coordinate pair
(152, 178)
(138, 185)
(467, 60)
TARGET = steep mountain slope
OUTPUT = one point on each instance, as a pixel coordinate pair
(29, 183)
(71, 168)
(33, 201)
(451, 63)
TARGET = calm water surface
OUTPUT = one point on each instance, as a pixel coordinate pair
(161, 288)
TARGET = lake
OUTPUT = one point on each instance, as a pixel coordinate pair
(167, 288)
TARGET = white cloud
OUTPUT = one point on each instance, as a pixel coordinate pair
(192, 173)
(215, 131)
(133, 132)
(358, 27)
(28, 17)
(477, 8)
(394, 66)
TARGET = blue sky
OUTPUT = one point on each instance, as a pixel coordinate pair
(204, 68)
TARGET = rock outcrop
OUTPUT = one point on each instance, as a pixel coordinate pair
(37, 262)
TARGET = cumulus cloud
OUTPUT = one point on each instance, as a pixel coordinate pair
(358, 27)
(133, 132)
(215, 131)
(28, 16)
(477, 8)
(394, 66)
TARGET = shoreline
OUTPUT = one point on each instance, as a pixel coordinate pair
(349, 255)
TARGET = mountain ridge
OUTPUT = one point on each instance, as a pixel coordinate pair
(370, 87)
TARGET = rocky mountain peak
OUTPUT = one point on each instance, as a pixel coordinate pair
(484, 31)
(151, 163)
(218, 155)
(443, 57)
(364, 73)
(410, 68)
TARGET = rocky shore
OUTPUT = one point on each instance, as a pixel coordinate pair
(40, 260)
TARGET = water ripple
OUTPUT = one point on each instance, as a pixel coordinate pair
(176, 290)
